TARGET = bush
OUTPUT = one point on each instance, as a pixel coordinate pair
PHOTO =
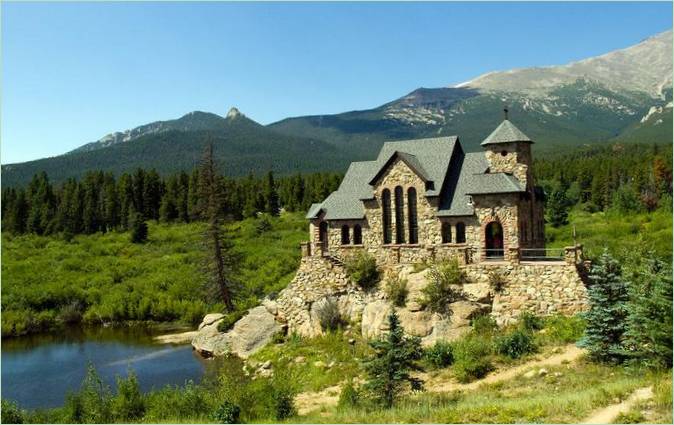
(92, 404)
(349, 396)
(484, 324)
(530, 322)
(10, 412)
(362, 269)
(515, 344)
(230, 319)
(497, 281)
(329, 316)
(471, 358)
(129, 403)
(284, 403)
(263, 225)
(441, 289)
(226, 413)
(561, 329)
(396, 291)
(439, 355)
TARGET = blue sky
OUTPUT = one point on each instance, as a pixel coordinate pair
(73, 72)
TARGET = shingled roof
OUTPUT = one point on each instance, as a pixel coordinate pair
(448, 172)
(506, 133)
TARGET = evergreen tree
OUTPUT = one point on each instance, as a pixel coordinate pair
(221, 263)
(271, 196)
(648, 338)
(557, 209)
(126, 200)
(393, 360)
(138, 227)
(41, 205)
(110, 207)
(606, 318)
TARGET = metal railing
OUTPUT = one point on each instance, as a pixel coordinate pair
(542, 254)
(484, 254)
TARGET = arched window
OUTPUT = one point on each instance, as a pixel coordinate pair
(446, 232)
(412, 214)
(400, 215)
(386, 213)
(357, 235)
(345, 235)
(460, 232)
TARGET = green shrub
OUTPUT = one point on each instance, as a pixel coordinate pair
(226, 413)
(515, 344)
(439, 355)
(10, 412)
(230, 319)
(530, 322)
(129, 403)
(284, 402)
(497, 281)
(329, 316)
(93, 402)
(560, 329)
(471, 358)
(396, 291)
(279, 337)
(362, 269)
(441, 289)
(484, 324)
(349, 396)
(263, 225)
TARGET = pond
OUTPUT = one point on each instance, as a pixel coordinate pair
(39, 370)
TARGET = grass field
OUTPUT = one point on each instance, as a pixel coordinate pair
(101, 278)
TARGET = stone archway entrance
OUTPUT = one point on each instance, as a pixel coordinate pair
(323, 235)
(494, 240)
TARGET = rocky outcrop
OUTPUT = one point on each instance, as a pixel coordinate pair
(539, 288)
(249, 334)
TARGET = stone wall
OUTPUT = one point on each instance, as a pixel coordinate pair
(542, 289)
(516, 161)
(316, 280)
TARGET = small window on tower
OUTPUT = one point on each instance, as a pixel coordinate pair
(504, 153)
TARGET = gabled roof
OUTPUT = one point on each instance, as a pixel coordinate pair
(506, 133)
(314, 209)
(411, 160)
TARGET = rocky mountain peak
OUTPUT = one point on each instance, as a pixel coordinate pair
(234, 113)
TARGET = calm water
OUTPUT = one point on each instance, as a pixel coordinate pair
(38, 371)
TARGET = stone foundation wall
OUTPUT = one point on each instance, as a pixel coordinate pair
(316, 279)
(542, 289)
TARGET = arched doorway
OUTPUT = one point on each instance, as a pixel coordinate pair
(323, 235)
(494, 239)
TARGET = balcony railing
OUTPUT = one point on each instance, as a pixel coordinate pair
(542, 254)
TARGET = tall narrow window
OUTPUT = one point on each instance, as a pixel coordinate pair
(460, 232)
(386, 213)
(412, 214)
(400, 215)
(446, 232)
(345, 235)
(357, 235)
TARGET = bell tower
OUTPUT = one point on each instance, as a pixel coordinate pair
(508, 150)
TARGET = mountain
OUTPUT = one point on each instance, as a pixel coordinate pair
(241, 145)
(624, 95)
(588, 101)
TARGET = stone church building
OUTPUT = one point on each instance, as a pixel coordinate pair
(428, 199)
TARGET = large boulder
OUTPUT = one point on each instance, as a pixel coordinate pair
(253, 331)
(374, 320)
(249, 334)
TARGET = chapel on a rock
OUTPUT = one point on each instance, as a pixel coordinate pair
(428, 199)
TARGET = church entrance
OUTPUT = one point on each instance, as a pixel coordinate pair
(323, 235)
(494, 240)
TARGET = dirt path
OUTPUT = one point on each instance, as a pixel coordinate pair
(437, 384)
(609, 413)
(309, 401)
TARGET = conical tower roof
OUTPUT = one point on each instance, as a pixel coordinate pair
(506, 133)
